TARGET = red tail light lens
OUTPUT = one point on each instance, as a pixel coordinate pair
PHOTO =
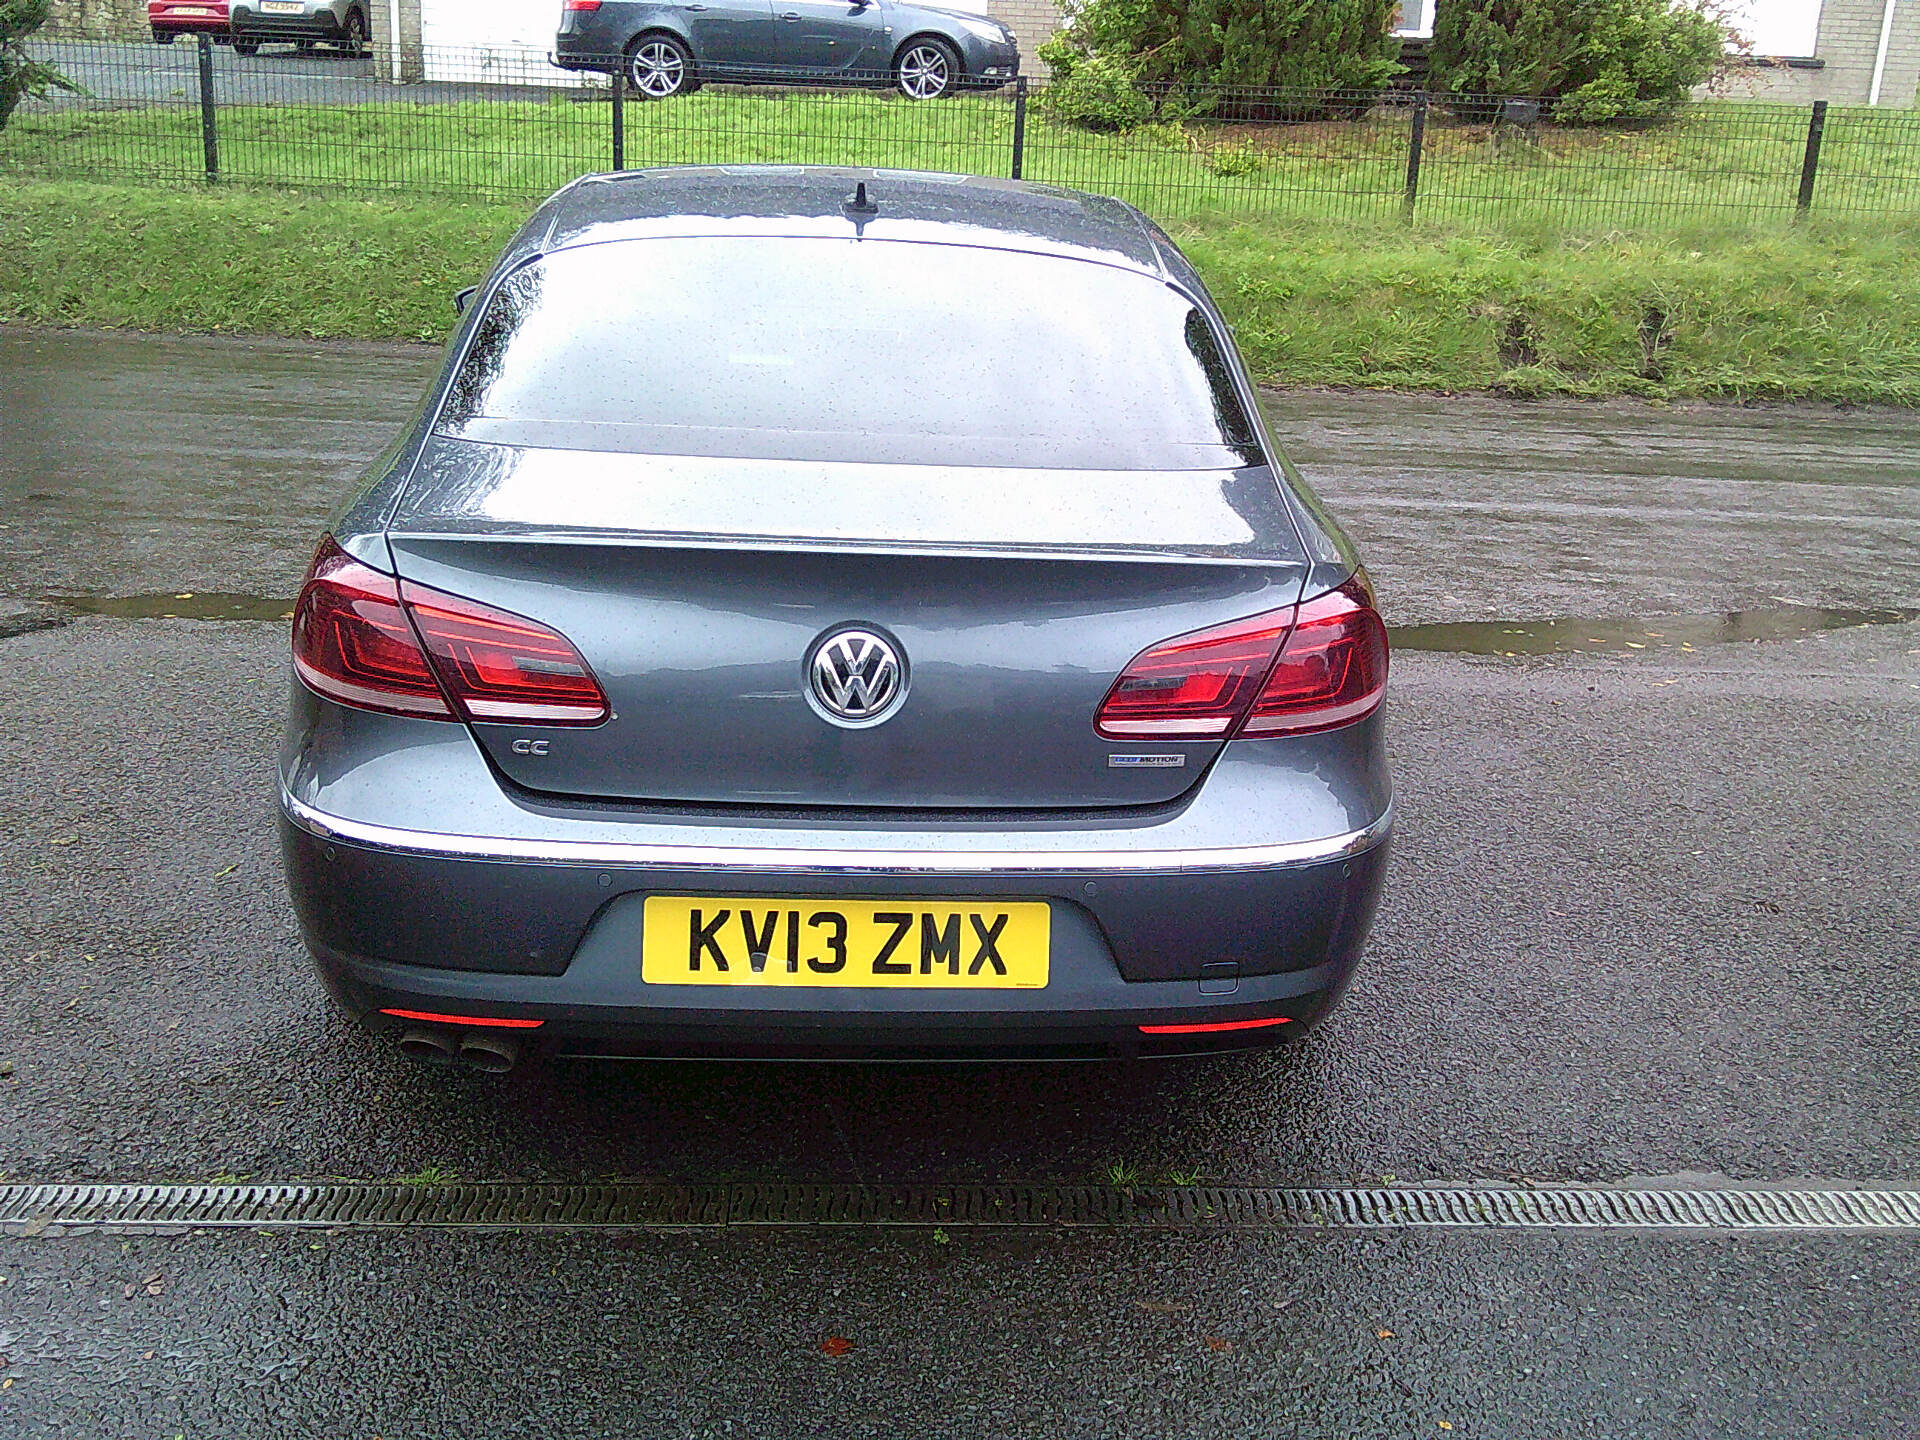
(503, 667)
(355, 643)
(1193, 687)
(1333, 670)
(580, 5)
(352, 643)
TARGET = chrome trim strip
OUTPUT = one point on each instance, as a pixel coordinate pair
(434, 844)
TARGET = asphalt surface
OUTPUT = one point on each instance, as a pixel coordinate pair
(124, 72)
(1651, 915)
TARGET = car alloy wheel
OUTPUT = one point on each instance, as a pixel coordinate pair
(926, 71)
(659, 68)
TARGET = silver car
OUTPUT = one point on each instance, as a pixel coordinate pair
(842, 613)
(305, 23)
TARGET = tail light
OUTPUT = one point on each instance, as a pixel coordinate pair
(352, 642)
(357, 639)
(1194, 687)
(1287, 672)
(1333, 670)
(579, 6)
(502, 667)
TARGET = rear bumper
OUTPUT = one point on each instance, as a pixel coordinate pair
(321, 25)
(423, 881)
(190, 25)
(472, 926)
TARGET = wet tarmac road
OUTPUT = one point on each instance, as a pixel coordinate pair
(148, 465)
(138, 71)
(1652, 914)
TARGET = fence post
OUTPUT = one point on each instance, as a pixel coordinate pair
(209, 131)
(1019, 125)
(620, 117)
(1415, 142)
(1810, 167)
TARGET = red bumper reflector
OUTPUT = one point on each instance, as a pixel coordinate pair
(1216, 1025)
(464, 1019)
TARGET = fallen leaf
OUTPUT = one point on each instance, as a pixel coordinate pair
(184, 595)
(1218, 1345)
(127, 1294)
(1446, 1424)
(64, 840)
(1161, 1307)
(1384, 1334)
(6, 1384)
(228, 871)
(1635, 645)
(835, 1345)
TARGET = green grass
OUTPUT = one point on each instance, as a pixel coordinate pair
(1825, 310)
(1721, 160)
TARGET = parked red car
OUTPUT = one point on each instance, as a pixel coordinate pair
(168, 18)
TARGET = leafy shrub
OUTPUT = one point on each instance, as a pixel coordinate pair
(1121, 62)
(1601, 60)
(1096, 92)
(1235, 160)
(20, 74)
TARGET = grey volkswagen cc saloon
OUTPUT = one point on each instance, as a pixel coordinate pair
(666, 48)
(835, 613)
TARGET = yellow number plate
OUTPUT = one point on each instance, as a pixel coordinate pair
(878, 944)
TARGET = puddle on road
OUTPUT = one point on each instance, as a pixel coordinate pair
(1660, 632)
(187, 605)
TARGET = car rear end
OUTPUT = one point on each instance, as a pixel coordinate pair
(168, 19)
(781, 683)
(319, 21)
(593, 34)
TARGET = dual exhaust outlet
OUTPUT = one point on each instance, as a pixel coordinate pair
(437, 1045)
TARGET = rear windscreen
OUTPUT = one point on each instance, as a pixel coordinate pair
(849, 350)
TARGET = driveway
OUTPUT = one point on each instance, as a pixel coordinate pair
(1651, 919)
(136, 71)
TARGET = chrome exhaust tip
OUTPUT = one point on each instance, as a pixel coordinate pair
(495, 1054)
(435, 1047)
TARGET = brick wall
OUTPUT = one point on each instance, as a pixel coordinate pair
(1848, 38)
(1034, 21)
(410, 68)
(103, 19)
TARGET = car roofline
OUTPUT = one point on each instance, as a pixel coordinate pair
(1132, 240)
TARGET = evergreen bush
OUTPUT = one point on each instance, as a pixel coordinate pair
(1119, 63)
(20, 74)
(1598, 60)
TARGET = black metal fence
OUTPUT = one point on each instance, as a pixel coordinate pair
(513, 125)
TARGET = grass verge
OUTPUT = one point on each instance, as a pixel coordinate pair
(1825, 311)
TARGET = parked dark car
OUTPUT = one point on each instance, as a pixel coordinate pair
(838, 613)
(303, 23)
(669, 49)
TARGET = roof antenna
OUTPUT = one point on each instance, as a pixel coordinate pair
(859, 208)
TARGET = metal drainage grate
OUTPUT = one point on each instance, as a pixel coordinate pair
(38, 1209)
